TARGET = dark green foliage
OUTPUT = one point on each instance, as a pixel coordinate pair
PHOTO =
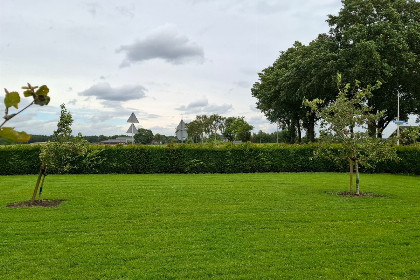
(19, 159)
(143, 136)
(229, 158)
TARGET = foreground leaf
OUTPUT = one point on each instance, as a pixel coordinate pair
(43, 90)
(12, 99)
(28, 93)
(11, 134)
(42, 100)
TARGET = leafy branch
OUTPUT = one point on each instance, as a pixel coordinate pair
(12, 99)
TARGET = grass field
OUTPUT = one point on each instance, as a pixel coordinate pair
(233, 226)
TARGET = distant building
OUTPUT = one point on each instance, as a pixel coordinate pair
(118, 140)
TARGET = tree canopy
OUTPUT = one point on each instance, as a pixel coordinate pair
(370, 41)
(143, 136)
(379, 40)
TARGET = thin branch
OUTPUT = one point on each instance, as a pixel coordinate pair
(7, 119)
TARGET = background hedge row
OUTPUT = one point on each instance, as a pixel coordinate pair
(244, 158)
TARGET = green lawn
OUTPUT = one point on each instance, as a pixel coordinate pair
(223, 226)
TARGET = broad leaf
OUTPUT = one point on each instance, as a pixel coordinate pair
(28, 93)
(43, 90)
(42, 100)
(12, 99)
(11, 134)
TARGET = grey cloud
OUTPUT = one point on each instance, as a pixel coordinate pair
(219, 109)
(202, 106)
(105, 92)
(194, 105)
(165, 43)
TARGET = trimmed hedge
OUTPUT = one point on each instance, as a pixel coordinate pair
(244, 158)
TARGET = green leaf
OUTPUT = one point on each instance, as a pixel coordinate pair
(43, 90)
(12, 99)
(42, 100)
(11, 134)
(28, 93)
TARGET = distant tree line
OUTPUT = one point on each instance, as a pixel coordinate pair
(215, 127)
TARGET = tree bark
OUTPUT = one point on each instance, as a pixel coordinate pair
(372, 129)
(299, 131)
(311, 127)
(357, 178)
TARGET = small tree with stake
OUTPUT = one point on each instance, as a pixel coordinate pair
(345, 123)
(66, 153)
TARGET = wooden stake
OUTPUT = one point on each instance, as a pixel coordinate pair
(41, 172)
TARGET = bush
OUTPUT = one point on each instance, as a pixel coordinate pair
(202, 158)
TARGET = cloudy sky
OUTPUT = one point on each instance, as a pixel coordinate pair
(163, 60)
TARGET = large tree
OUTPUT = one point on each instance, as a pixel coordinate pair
(380, 40)
(299, 72)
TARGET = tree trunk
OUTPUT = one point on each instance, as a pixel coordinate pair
(372, 129)
(41, 172)
(357, 178)
(292, 132)
(299, 131)
(351, 176)
(311, 128)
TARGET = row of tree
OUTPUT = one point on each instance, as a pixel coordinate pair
(369, 41)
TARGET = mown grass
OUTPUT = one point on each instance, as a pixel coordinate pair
(233, 226)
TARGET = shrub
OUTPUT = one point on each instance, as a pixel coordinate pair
(202, 158)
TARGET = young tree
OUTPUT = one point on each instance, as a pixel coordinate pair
(66, 153)
(345, 123)
(12, 99)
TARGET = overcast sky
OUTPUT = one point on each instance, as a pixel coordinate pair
(163, 60)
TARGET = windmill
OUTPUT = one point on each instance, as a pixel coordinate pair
(181, 131)
(133, 130)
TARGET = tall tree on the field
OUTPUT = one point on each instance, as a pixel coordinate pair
(345, 123)
(298, 73)
(379, 40)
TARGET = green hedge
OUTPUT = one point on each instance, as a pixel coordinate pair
(244, 158)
